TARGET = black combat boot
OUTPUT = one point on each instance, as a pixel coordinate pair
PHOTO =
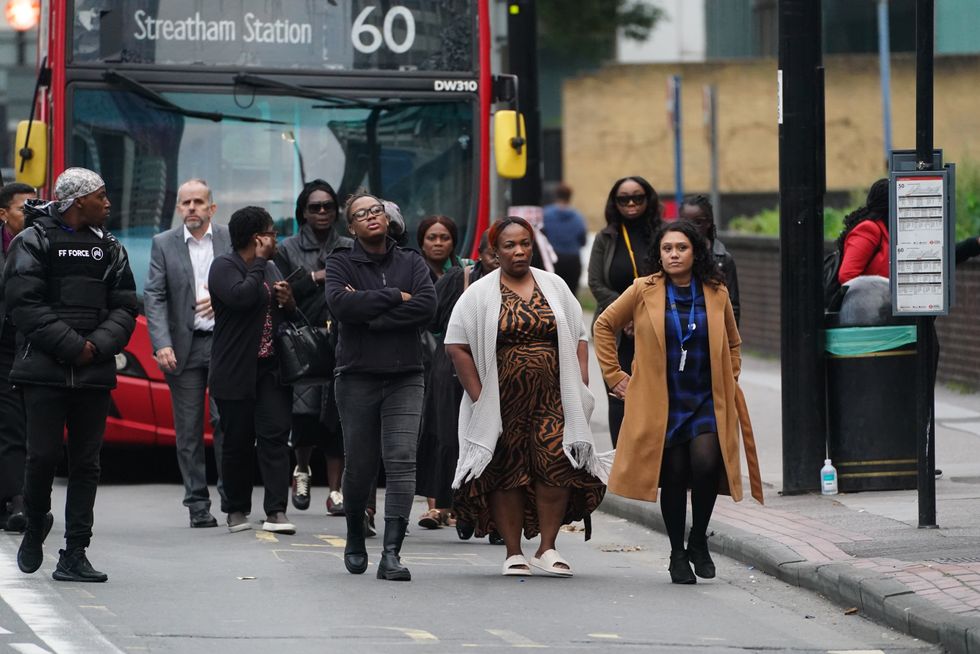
(31, 554)
(680, 568)
(355, 553)
(74, 566)
(391, 567)
(697, 552)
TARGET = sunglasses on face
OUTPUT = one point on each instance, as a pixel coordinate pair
(320, 207)
(363, 214)
(625, 200)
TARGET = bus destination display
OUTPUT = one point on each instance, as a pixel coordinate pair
(353, 35)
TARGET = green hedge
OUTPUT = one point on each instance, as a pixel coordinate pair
(766, 222)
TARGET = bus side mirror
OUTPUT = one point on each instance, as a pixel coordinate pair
(510, 144)
(31, 153)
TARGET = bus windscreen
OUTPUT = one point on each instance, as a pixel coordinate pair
(419, 155)
(352, 35)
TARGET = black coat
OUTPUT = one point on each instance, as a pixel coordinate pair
(240, 300)
(47, 344)
(726, 264)
(304, 253)
(379, 333)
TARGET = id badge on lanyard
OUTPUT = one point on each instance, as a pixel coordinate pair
(691, 325)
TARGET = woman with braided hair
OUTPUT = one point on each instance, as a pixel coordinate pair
(863, 242)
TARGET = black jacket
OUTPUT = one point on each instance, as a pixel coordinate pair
(304, 253)
(379, 333)
(726, 264)
(52, 333)
(240, 300)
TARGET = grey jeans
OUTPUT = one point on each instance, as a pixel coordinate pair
(187, 392)
(380, 415)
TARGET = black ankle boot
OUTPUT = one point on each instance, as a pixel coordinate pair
(680, 568)
(697, 553)
(30, 555)
(391, 567)
(355, 553)
(74, 566)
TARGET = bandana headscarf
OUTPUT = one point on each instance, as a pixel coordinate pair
(73, 184)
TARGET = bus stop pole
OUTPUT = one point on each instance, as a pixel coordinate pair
(925, 368)
(801, 189)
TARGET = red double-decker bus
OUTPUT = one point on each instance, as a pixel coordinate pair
(257, 97)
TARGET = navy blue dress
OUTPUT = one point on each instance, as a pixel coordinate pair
(691, 407)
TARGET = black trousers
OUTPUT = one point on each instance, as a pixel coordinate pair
(13, 440)
(569, 268)
(261, 423)
(49, 410)
(617, 408)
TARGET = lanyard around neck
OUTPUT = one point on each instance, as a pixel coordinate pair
(629, 248)
(691, 325)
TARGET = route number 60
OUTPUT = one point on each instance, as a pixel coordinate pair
(368, 38)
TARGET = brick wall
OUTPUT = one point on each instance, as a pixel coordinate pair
(757, 260)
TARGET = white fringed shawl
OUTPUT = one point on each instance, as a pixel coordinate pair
(475, 322)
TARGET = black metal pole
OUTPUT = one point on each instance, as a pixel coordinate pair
(522, 41)
(926, 352)
(801, 178)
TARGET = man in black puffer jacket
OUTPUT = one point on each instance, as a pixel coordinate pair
(71, 295)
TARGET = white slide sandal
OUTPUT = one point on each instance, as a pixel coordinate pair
(549, 561)
(512, 566)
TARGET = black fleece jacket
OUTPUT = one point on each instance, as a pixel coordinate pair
(379, 333)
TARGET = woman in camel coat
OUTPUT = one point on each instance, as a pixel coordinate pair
(683, 404)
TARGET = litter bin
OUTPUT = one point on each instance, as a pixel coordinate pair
(871, 387)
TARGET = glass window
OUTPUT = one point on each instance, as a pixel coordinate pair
(418, 155)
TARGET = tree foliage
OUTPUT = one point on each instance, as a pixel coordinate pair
(587, 28)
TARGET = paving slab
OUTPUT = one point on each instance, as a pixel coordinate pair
(861, 550)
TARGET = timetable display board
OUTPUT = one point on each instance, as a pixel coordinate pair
(921, 241)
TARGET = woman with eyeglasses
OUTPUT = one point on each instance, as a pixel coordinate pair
(302, 259)
(381, 295)
(618, 257)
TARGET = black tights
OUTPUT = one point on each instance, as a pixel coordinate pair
(695, 464)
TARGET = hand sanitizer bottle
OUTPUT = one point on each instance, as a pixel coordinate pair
(828, 478)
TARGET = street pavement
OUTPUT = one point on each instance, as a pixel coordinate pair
(173, 589)
(807, 573)
(861, 550)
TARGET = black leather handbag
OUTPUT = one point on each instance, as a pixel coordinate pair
(306, 353)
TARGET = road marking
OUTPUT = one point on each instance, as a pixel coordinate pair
(333, 541)
(515, 639)
(29, 648)
(97, 607)
(59, 625)
(265, 536)
(608, 636)
(855, 651)
(417, 635)
(4, 632)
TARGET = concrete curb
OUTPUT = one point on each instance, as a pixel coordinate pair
(883, 599)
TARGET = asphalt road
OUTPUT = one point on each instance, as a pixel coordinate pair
(173, 589)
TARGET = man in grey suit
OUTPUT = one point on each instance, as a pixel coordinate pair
(181, 322)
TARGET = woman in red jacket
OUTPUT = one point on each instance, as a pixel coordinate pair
(864, 239)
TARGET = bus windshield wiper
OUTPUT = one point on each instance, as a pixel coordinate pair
(145, 92)
(260, 82)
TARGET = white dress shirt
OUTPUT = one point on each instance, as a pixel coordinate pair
(202, 254)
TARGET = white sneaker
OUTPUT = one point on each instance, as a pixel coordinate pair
(278, 524)
(301, 489)
(335, 503)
